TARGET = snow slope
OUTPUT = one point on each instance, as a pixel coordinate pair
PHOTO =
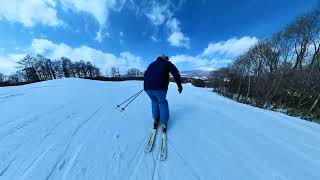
(68, 129)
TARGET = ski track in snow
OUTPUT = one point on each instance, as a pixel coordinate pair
(62, 159)
(137, 158)
(69, 129)
(25, 123)
(185, 162)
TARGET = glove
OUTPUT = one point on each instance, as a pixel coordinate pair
(180, 88)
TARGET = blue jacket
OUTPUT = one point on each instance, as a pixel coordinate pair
(156, 76)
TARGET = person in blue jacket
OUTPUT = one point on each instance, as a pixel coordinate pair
(156, 81)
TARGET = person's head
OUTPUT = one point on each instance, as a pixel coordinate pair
(162, 57)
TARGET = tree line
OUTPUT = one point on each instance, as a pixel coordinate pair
(281, 72)
(39, 68)
(132, 72)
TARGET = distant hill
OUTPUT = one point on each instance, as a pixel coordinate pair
(196, 73)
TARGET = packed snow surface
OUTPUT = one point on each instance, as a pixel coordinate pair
(69, 129)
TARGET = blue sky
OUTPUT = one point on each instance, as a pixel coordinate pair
(196, 34)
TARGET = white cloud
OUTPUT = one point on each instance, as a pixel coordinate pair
(101, 35)
(99, 9)
(160, 14)
(103, 60)
(129, 60)
(189, 62)
(177, 39)
(230, 48)
(30, 12)
(8, 63)
(154, 39)
(39, 46)
(217, 55)
(173, 24)
(53, 51)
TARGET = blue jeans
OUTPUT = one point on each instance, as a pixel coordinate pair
(160, 107)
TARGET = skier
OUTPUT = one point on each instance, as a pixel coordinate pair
(156, 81)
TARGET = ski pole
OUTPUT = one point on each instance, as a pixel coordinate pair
(122, 109)
(130, 99)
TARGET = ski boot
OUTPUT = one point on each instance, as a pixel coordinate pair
(164, 129)
(155, 123)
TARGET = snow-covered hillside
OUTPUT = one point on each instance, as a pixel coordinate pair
(68, 129)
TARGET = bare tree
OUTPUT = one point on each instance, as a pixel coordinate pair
(281, 71)
(28, 64)
(134, 72)
(114, 72)
(1, 77)
(66, 66)
(299, 34)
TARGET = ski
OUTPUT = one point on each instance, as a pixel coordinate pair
(150, 141)
(163, 147)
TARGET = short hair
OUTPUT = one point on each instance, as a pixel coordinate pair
(159, 58)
